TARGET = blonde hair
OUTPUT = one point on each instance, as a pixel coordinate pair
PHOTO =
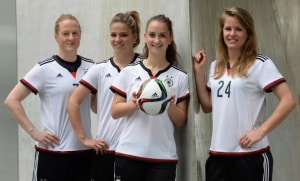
(249, 49)
(132, 20)
(65, 17)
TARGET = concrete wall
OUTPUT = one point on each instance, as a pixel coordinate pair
(195, 27)
(8, 79)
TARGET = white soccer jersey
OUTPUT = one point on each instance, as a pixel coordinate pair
(238, 105)
(98, 80)
(54, 85)
(145, 136)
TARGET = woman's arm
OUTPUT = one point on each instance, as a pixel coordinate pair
(120, 107)
(94, 99)
(199, 69)
(178, 112)
(73, 107)
(14, 104)
(285, 106)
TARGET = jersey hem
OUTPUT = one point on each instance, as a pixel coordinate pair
(113, 152)
(146, 159)
(61, 152)
(212, 152)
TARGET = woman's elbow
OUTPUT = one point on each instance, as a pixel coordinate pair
(9, 102)
(71, 105)
(6, 102)
(114, 116)
(114, 113)
(206, 109)
(179, 120)
(206, 106)
(181, 124)
(293, 103)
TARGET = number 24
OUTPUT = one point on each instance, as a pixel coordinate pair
(221, 88)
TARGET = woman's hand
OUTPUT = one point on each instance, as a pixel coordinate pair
(199, 60)
(121, 107)
(100, 146)
(252, 137)
(134, 102)
(46, 138)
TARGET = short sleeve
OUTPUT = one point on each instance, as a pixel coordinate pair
(34, 79)
(269, 76)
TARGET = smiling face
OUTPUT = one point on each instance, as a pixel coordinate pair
(234, 33)
(158, 37)
(121, 37)
(68, 37)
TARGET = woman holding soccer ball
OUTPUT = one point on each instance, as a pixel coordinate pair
(235, 94)
(147, 148)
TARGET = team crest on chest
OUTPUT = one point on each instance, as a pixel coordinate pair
(169, 80)
(85, 70)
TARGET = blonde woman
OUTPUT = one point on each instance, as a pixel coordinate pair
(124, 38)
(235, 93)
(59, 154)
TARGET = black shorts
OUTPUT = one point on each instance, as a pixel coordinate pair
(65, 166)
(127, 169)
(256, 167)
(103, 167)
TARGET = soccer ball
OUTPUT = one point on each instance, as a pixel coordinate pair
(153, 97)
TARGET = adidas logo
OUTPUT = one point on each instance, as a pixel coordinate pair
(138, 78)
(59, 75)
(108, 75)
(154, 95)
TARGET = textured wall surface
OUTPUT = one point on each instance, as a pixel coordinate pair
(8, 75)
(195, 28)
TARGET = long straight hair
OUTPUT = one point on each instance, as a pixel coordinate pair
(249, 50)
(171, 55)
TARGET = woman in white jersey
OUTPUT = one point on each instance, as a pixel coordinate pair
(124, 37)
(147, 148)
(235, 94)
(59, 153)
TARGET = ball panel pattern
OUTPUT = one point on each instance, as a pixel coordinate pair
(153, 97)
